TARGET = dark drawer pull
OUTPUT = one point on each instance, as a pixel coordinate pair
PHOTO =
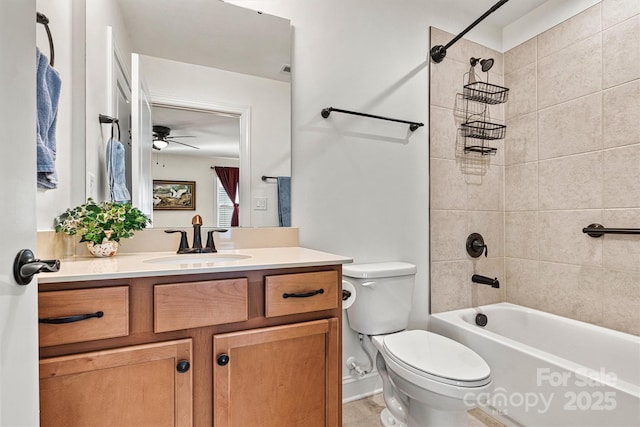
(303, 295)
(70, 319)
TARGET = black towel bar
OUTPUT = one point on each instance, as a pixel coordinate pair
(42, 19)
(327, 111)
(598, 230)
(264, 177)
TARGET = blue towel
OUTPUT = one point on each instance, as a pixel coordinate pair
(116, 171)
(48, 84)
(284, 201)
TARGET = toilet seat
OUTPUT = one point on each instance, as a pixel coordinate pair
(437, 358)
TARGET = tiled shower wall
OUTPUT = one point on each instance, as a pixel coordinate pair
(572, 158)
(466, 190)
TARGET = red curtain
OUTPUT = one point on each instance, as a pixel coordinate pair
(229, 178)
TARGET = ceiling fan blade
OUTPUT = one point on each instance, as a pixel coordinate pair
(181, 136)
(182, 143)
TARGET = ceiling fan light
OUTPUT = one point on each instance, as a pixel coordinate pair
(159, 144)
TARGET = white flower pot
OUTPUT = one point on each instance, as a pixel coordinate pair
(105, 249)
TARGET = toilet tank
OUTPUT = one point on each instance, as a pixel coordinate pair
(383, 296)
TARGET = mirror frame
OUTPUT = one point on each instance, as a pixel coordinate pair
(244, 112)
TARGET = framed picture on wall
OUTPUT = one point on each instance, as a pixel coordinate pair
(174, 195)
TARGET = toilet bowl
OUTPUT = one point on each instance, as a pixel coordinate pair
(427, 379)
(441, 377)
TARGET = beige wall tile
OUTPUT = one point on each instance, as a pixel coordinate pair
(621, 50)
(521, 142)
(443, 131)
(615, 11)
(448, 235)
(521, 187)
(521, 55)
(491, 226)
(522, 284)
(621, 115)
(486, 192)
(571, 31)
(621, 252)
(521, 235)
(446, 81)
(621, 302)
(498, 157)
(570, 291)
(573, 182)
(448, 189)
(522, 91)
(450, 285)
(567, 74)
(570, 128)
(622, 177)
(561, 238)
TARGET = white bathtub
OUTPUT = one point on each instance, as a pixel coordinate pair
(548, 370)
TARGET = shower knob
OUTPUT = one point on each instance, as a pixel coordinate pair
(476, 246)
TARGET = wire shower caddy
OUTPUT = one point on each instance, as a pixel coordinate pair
(478, 126)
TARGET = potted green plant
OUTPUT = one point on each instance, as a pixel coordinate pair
(102, 225)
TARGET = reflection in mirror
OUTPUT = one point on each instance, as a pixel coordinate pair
(212, 53)
(197, 141)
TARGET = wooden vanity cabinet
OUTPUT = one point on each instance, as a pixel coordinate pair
(131, 386)
(283, 353)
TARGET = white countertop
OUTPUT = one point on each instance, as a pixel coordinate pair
(142, 264)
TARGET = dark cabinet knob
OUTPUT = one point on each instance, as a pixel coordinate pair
(223, 359)
(183, 366)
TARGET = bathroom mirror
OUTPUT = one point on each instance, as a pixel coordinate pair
(209, 57)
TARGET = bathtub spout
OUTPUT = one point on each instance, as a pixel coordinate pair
(484, 280)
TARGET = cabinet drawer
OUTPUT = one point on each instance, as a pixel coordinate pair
(301, 293)
(70, 306)
(197, 304)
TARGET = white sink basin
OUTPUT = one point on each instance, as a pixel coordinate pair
(197, 259)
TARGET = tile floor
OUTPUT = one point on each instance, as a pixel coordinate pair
(366, 413)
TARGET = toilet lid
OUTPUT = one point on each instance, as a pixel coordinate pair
(437, 356)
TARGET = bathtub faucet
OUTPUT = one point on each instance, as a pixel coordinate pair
(484, 280)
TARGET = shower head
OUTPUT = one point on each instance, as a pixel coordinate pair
(486, 64)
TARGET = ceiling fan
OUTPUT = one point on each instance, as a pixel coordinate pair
(161, 138)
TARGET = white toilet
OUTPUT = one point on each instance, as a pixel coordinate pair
(428, 379)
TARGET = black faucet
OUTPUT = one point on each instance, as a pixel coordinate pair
(484, 280)
(197, 239)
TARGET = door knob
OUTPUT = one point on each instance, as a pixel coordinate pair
(26, 265)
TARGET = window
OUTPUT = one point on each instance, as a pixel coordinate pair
(225, 207)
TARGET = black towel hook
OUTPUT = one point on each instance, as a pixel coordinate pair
(42, 19)
(111, 120)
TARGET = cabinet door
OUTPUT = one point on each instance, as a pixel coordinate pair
(130, 386)
(278, 376)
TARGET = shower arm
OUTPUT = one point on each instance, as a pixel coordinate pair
(439, 52)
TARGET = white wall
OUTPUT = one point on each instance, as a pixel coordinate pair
(100, 14)
(67, 23)
(189, 168)
(360, 186)
(51, 202)
(269, 101)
